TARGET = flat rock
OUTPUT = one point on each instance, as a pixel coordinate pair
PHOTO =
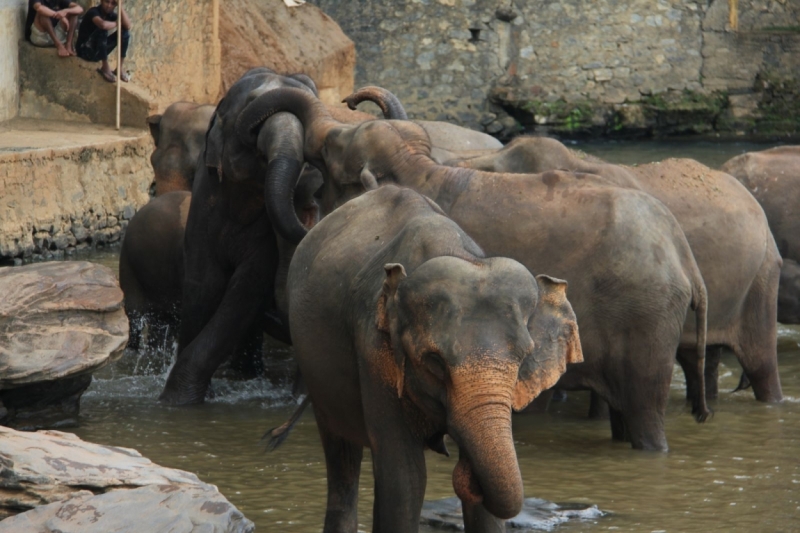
(536, 515)
(59, 322)
(58, 482)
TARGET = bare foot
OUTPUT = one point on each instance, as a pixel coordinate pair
(63, 52)
(72, 51)
(124, 77)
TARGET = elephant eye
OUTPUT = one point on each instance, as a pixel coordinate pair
(435, 365)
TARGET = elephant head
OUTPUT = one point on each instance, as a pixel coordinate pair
(337, 149)
(472, 340)
(276, 146)
(179, 136)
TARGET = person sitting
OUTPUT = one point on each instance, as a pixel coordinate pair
(53, 23)
(97, 37)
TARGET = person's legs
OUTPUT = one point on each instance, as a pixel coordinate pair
(71, 23)
(111, 45)
(45, 33)
(95, 48)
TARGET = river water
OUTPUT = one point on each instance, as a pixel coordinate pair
(737, 472)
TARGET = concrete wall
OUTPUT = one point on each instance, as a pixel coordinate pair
(58, 200)
(576, 65)
(11, 24)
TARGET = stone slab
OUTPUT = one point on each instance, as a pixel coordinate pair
(62, 483)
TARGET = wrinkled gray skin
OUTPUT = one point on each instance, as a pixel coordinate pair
(151, 267)
(404, 332)
(730, 241)
(235, 264)
(180, 136)
(773, 178)
(631, 273)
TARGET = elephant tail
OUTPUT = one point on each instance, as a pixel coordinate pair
(700, 408)
(277, 435)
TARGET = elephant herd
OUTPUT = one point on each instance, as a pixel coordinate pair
(420, 271)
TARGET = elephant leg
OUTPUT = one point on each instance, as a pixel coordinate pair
(136, 324)
(398, 461)
(757, 350)
(687, 358)
(598, 408)
(190, 377)
(343, 461)
(618, 430)
(713, 357)
(644, 411)
(248, 361)
(643, 391)
(478, 520)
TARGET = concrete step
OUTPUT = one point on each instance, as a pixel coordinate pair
(71, 89)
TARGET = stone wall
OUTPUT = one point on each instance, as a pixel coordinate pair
(576, 67)
(60, 200)
(11, 23)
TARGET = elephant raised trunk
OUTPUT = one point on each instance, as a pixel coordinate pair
(479, 420)
(285, 157)
(388, 102)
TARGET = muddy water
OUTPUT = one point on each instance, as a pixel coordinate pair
(737, 472)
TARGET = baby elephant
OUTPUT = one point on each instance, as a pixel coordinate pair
(405, 332)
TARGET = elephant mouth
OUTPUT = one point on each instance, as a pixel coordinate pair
(465, 482)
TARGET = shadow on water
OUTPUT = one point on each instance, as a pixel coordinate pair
(737, 472)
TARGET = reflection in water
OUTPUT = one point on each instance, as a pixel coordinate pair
(737, 472)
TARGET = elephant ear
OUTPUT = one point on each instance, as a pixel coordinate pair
(395, 273)
(554, 330)
(154, 122)
(214, 144)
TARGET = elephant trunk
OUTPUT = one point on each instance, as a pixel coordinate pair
(388, 102)
(285, 153)
(487, 472)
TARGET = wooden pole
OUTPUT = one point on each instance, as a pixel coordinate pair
(119, 59)
(733, 14)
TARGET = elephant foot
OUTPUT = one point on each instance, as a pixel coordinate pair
(175, 396)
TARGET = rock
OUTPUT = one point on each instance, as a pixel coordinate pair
(262, 33)
(57, 482)
(536, 515)
(59, 322)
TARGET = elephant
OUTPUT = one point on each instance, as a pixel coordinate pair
(405, 331)
(773, 178)
(180, 136)
(234, 263)
(632, 274)
(151, 260)
(447, 140)
(151, 267)
(740, 268)
(789, 294)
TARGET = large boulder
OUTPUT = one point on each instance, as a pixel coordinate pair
(54, 481)
(265, 33)
(59, 322)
